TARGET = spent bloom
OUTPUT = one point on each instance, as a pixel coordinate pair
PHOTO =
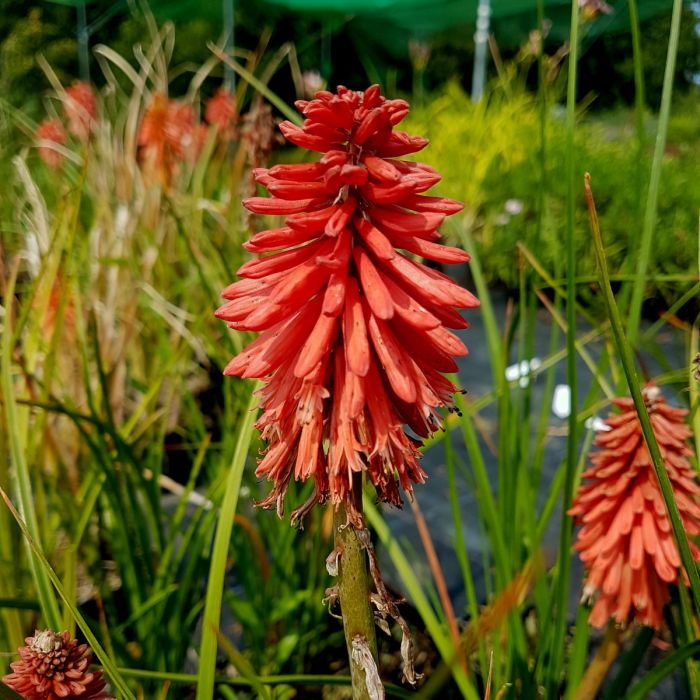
(80, 108)
(626, 541)
(49, 134)
(354, 330)
(54, 666)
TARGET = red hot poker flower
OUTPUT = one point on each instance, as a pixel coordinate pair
(354, 330)
(626, 541)
(51, 132)
(166, 136)
(221, 111)
(54, 666)
(80, 108)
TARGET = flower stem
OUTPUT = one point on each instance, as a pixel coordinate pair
(353, 591)
(595, 674)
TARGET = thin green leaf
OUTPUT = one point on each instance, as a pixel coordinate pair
(660, 671)
(418, 598)
(650, 212)
(625, 353)
(47, 599)
(217, 569)
(8, 694)
(109, 668)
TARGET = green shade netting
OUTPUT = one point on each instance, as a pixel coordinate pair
(392, 23)
(389, 25)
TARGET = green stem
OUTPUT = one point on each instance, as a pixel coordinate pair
(640, 137)
(308, 679)
(650, 211)
(565, 533)
(625, 353)
(217, 569)
(354, 591)
(598, 668)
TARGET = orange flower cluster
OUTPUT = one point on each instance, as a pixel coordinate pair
(79, 111)
(166, 136)
(170, 133)
(221, 111)
(626, 541)
(53, 666)
(49, 134)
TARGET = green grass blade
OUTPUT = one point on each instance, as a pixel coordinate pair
(658, 673)
(651, 209)
(245, 668)
(561, 591)
(47, 599)
(302, 679)
(7, 694)
(109, 667)
(579, 652)
(258, 85)
(630, 663)
(625, 353)
(217, 570)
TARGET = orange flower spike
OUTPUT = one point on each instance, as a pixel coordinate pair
(166, 136)
(222, 112)
(51, 131)
(80, 109)
(53, 666)
(626, 541)
(354, 331)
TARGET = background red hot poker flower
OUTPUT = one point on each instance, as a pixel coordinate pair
(165, 136)
(80, 108)
(354, 330)
(54, 666)
(51, 131)
(626, 541)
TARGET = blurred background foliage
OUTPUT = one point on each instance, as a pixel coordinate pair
(49, 28)
(500, 134)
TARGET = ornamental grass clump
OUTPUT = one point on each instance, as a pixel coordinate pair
(54, 666)
(626, 541)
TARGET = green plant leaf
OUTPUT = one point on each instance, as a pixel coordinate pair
(109, 667)
(660, 671)
(217, 569)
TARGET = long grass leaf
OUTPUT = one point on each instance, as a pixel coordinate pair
(109, 667)
(631, 661)
(301, 679)
(625, 353)
(260, 86)
(217, 569)
(640, 690)
(561, 588)
(650, 212)
(418, 598)
(47, 599)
